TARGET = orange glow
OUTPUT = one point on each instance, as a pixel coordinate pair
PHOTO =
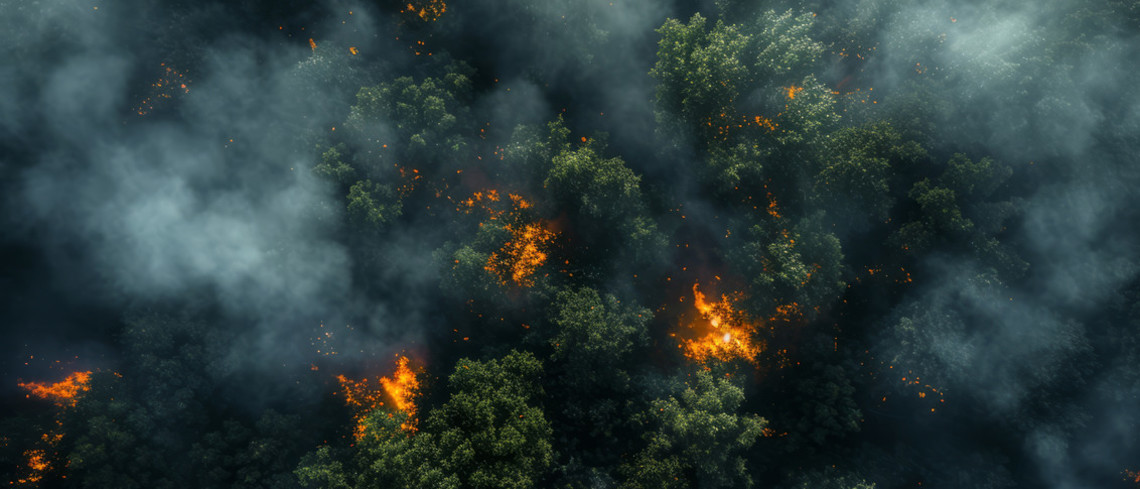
(37, 465)
(773, 209)
(312, 44)
(400, 391)
(491, 202)
(518, 259)
(352, 49)
(792, 91)
(427, 10)
(170, 83)
(1132, 476)
(764, 122)
(64, 393)
(721, 331)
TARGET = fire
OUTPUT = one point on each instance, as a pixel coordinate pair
(1132, 476)
(722, 332)
(64, 393)
(773, 207)
(491, 202)
(792, 91)
(429, 10)
(38, 464)
(764, 122)
(353, 50)
(522, 255)
(402, 387)
(312, 44)
(365, 397)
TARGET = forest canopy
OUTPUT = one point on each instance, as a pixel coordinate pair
(570, 244)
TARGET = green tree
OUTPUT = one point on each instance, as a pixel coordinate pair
(333, 167)
(592, 397)
(491, 433)
(862, 165)
(604, 196)
(820, 408)
(595, 333)
(799, 267)
(743, 94)
(419, 118)
(696, 435)
(159, 421)
(373, 203)
(955, 211)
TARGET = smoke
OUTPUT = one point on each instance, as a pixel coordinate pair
(1046, 89)
(208, 196)
(176, 175)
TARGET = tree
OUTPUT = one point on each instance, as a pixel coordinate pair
(695, 435)
(862, 165)
(491, 433)
(418, 119)
(594, 338)
(954, 212)
(595, 333)
(821, 408)
(333, 167)
(605, 199)
(158, 421)
(799, 268)
(743, 94)
(373, 203)
(386, 456)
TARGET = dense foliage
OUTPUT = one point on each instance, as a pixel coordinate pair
(767, 271)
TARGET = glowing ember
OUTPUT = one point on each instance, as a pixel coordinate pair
(491, 202)
(37, 464)
(312, 44)
(721, 332)
(429, 10)
(64, 393)
(353, 50)
(792, 91)
(170, 83)
(365, 397)
(773, 208)
(518, 259)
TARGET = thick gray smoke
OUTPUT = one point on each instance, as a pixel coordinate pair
(177, 175)
(1046, 88)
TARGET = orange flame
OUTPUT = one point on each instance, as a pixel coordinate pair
(773, 208)
(312, 44)
(64, 393)
(491, 202)
(38, 464)
(522, 255)
(364, 397)
(430, 11)
(353, 50)
(722, 332)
